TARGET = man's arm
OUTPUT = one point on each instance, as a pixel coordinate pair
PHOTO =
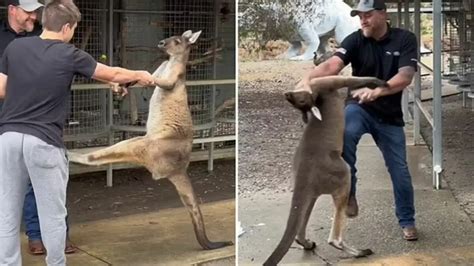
(121, 89)
(399, 82)
(3, 85)
(120, 75)
(332, 66)
(396, 84)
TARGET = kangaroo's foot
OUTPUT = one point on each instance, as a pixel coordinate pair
(306, 244)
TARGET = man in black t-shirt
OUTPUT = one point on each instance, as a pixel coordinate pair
(35, 78)
(20, 22)
(387, 53)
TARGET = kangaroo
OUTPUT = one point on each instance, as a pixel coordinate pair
(165, 149)
(318, 164)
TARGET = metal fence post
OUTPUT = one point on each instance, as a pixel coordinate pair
(417, 91)
(437, 112)
(110, 94)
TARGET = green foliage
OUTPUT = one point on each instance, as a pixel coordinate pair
(426, 24)
(263, 22)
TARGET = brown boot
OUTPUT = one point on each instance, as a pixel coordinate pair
(35, 247)
(410, 233)
(352, 208)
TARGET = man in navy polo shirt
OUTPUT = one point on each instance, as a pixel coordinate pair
(21, 22)
(35, 77)
(387, 53)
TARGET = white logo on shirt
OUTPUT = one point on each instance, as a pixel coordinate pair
(341, 50)
(396, 53)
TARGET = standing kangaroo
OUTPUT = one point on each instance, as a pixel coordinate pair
(166, 148)
(318, 164)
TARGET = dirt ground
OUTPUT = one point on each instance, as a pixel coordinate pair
(263, 110)
(458, 149)
(134, 191)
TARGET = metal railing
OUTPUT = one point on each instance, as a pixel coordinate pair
(110, 129)
(434, 120)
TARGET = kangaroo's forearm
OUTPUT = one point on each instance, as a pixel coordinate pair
(166, 82)
(332, 83)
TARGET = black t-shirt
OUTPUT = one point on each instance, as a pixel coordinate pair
(7, 34)
(40, 73)
(381, 59)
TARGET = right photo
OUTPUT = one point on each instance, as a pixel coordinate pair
(355, 132)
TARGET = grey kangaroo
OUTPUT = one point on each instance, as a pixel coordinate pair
(318, 164)
(165, 149)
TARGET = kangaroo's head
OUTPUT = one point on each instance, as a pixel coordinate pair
(305, 101)
(179, 45)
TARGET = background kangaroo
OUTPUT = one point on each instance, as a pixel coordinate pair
(165, 149)
(318, 164)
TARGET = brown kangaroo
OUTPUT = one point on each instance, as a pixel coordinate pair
(318, 164)
(165, 149)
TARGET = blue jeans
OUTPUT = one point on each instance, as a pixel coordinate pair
(390, 140)
(30, 216)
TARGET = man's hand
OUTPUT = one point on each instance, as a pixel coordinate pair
(117, 88)
(366, 94)
(145, 78)
(303, 85)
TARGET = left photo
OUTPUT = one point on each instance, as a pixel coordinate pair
(117, 132)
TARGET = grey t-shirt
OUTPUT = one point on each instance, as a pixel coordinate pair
(40, 73)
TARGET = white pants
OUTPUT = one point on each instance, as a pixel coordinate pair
(23, 156)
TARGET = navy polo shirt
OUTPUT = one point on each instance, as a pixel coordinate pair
(7, 35)
(40, 73)
(382, 59)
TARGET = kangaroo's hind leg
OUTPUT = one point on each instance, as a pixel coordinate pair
(301, 237)
(131, 150)
(340, 199)
(300, 203)
(183, 185)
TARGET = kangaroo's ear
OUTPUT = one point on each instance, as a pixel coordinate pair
(194, 37)
(187, 34)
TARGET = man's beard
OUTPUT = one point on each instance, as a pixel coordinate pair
(28, 25)
(367, 32)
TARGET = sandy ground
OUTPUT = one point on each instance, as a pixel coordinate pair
(135, 192)
(458, 149)
(259, 92)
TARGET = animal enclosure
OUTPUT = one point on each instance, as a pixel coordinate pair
(458, 45)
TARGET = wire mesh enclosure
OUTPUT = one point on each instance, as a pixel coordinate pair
(138, 26)
(458, 43)
(139, 35)
(88, 107)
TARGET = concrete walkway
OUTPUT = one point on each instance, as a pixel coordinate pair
(446, 235)
(159, 238)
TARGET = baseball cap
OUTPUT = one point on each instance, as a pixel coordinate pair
(368, 5)
(27, 5)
